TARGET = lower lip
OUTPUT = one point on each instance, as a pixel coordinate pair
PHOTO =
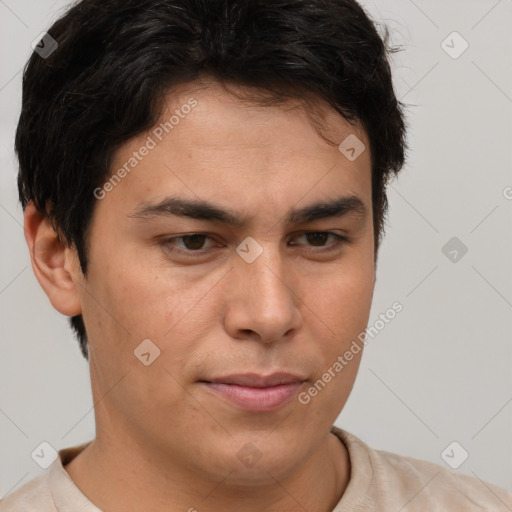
(255, 399)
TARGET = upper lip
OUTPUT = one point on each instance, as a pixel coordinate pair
(255, 380)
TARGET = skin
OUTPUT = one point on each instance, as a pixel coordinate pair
(163, 441)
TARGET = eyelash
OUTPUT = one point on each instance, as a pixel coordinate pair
(340, 240)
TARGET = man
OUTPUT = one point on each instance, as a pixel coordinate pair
(204, 193)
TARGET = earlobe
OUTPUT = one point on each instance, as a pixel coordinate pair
(52, 263)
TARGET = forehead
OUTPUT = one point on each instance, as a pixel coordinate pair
(239, 114)
(209, 143)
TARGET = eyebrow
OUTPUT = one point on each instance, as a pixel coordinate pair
(198, 209)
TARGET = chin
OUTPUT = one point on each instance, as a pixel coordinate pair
(256, 460)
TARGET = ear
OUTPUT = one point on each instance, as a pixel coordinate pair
(55, 266)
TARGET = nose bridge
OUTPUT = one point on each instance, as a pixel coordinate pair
(265, 300)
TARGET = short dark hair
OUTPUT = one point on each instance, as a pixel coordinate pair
(116, 59)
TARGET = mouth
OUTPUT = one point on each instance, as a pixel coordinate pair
(255, 392)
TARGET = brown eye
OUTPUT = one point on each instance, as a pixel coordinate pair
(319, 239)
(191, 244)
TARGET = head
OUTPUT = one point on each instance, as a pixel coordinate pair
(148, 110)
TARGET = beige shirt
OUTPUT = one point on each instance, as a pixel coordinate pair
(379, 481)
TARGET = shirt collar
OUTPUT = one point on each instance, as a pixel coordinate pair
(66, 495)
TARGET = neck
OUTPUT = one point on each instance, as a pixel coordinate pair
(119, 476)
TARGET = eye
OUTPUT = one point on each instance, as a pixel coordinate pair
(318, 239)
(192, 243)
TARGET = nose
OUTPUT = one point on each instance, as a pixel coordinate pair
(262, 303)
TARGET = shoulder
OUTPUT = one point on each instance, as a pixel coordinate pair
(441, 485)
(423, 485)
(37, 495)
(34, 496)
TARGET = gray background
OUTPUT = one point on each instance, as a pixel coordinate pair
(440, 371)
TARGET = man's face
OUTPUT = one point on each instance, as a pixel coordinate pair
(255, 299)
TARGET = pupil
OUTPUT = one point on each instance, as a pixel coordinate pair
(195, 244)
(319, 237)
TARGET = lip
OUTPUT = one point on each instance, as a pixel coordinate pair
(254, 392)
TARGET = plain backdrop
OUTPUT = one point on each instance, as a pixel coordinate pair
(440, 371)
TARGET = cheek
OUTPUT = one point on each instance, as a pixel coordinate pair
(136, 295)
(343, 306)
(173, 307)
(342, 302)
